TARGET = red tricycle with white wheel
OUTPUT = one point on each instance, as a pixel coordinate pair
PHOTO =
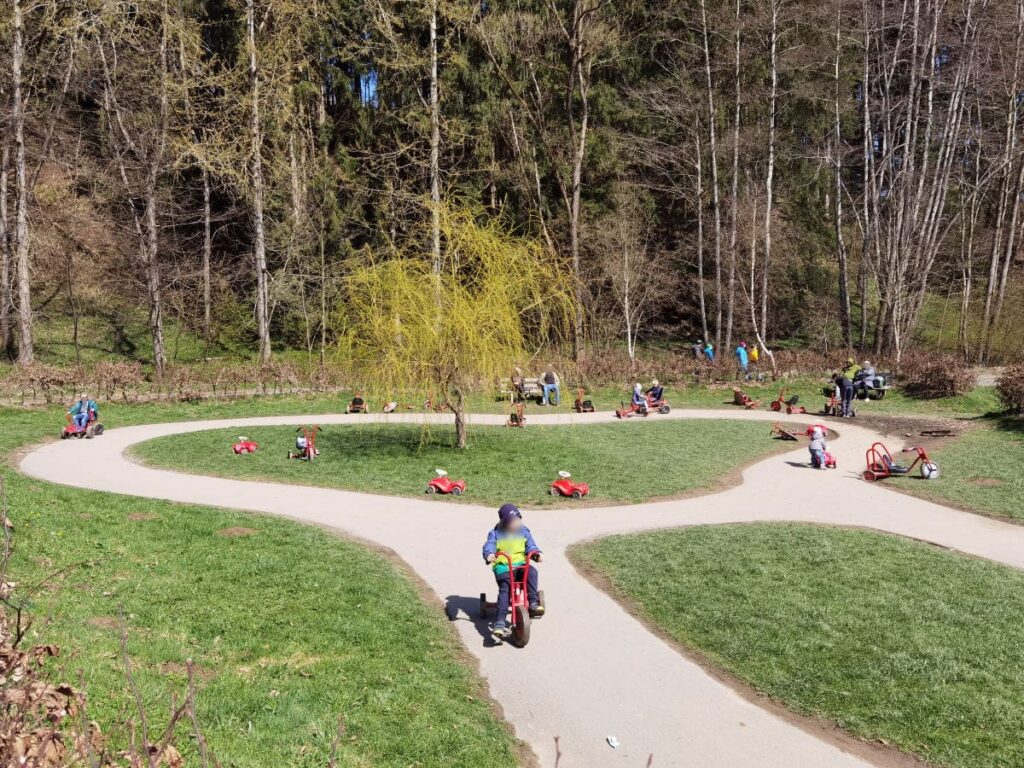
(880, 464)
(445, 485)
(519, 598)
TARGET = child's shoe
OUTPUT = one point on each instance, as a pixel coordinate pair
(536, 610)
(500, 632)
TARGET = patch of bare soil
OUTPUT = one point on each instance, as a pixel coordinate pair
(139, 517)
(177, 668)
(985, 482)
(104, 622)
(237, 531)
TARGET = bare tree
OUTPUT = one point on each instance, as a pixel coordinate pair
(259, 248)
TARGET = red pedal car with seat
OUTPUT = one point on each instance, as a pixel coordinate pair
(245, 445)
(445, 485)
(566, 486)
(519, 604)
(880, 464)
(92, 428)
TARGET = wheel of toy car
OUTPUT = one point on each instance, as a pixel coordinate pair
(665, 409)
(431, 490)
(63, 434)
(90, 432)
(869, 475)
(577, 494)
(521, 630)
(553, 491)
(456, 491)
(99, 430)
(483, 605)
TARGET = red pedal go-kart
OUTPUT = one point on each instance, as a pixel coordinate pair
(305, 445)
(445, 485)
(634, 409)
(92, 428)
(519, 599)
(566, 486)
(880, 464)
(245, 445)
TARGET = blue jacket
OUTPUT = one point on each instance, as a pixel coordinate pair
(741, 355)
(518, 545)
(90, 405)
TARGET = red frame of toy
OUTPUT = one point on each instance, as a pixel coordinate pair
(879, 458)
(72, 431)
(518, 596)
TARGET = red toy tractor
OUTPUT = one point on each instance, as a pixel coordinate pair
(445, 485)
(519, 599)
(245, 445)
(566, 486)
(305, 444)
(92, 428)
(880, 464)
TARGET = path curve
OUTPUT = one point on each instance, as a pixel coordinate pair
(591, 670)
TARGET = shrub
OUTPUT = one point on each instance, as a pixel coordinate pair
(1010, 388)
(936, 376)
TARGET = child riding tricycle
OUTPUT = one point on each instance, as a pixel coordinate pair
(510, 550)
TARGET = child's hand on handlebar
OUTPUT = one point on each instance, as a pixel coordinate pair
(490, 559)
(537, 557)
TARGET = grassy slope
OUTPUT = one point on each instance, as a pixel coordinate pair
(500, 464)
(291, 627)
(981, 471)
(892, 639)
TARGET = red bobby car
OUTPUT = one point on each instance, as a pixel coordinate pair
(445, 485)
(519, 604)
(92, 429)
(566, 486)
(245, 445)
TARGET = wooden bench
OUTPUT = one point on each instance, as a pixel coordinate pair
(533, 389)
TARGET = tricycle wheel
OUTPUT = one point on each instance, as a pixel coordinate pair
(869, 475)
(483, 605)
(665, 409)
(99, 430)
(63, 435)
(431, 490)
(553, 491)
(577, 495)
(521, 630)
(90, 433)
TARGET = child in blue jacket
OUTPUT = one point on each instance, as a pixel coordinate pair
(514, 539)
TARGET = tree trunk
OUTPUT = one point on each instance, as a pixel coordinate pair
(844, 280)
(699, 162)
(259, 239)
(458, 406)
(581, 72)
(770, 178)
(6, 296)
(207, 252)
(435, 147)
(713, 148)
(21, 231)
(730, 309)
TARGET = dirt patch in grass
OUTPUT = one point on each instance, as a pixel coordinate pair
(237, 531)
(104, 622)
(140, 517)
(177, 668)
(985, 482)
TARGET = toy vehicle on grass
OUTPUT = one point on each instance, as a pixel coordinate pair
(566, 486)
(445, 485)
(519, 605)
(92, 428)
(305, 444)
(245, 445)
(582, 404)
(880, 464)
(790, 404)
(834, 403)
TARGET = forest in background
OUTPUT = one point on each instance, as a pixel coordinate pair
(832, 175)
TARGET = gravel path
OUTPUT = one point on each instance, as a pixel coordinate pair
(591, 670)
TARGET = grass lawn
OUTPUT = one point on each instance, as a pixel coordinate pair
(890, 638)
(499, 465)
(289, 626)
(981, 471)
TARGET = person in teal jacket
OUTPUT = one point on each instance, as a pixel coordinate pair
(514, 539)
(81, 409)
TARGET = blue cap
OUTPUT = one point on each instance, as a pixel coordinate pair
(507, 513)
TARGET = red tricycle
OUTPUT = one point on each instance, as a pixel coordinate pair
(880, 464)
(92, 428)
(245, 445)
(566, 486)
(519, 599)
(445, 485)
(305, 444)
(790, 404)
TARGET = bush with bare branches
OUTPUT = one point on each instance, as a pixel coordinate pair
(936, 376)
(1010, 388)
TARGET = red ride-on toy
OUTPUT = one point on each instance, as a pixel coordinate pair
(661, 406)
(245, 445)
(445, 485)
(566, 486)
(305, 444)
(92, 429)
(790, 405)
(880, 464)
(519, 600)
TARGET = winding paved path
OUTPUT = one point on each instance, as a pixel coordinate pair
(592, 670)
